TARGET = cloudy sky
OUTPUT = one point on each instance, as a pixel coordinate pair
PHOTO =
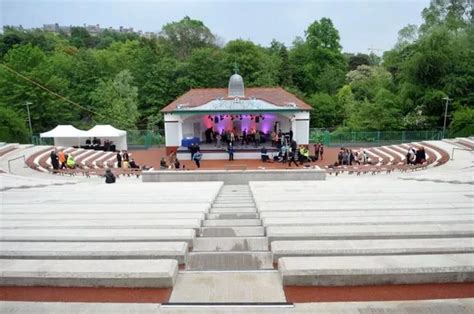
(362, 24)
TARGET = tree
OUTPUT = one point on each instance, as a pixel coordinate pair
(325, 111)
(12, 127)
(463, 122)
(116, 101)
(354, 60)
(186, 35)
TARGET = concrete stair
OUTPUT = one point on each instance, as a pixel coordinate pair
(232, 236)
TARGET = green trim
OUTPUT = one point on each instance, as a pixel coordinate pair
(190, 111)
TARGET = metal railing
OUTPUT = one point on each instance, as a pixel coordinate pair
(13, 159)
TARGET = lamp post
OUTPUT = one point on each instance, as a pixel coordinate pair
(445, 114)
(29, 119)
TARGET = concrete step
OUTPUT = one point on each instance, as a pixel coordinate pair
(232, 216)
(102, 224)
(94, 250)
(371, 247)
(218, 244)
(360, 232)
(253, 260)
(233, 200)
(233, 210)
(231, 222)
(232, 232)
(97, 235)
(376, 270)
(335, 220)
(233, 205)
(89, 273)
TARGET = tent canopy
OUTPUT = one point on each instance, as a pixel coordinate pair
(105, 130)
(65, 131)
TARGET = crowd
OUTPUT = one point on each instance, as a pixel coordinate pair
(96, 144)
(349, 157)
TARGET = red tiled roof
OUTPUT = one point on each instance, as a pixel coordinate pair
(200, 96)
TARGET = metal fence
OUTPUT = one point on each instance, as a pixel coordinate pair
(371, 138)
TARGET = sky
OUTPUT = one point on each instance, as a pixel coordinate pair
(362, 24)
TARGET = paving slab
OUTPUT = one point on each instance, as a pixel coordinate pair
(228, 287)
(96, 235)
(102, 224)
(371, 247)
(89, 273)
(94, 250)
(231, 222)
(219, 244)
(376, 270)
(368, 220)
(348, 232)
(232, 231)
(249, 260)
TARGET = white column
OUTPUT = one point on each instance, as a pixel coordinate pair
(173, 132)
(300, 125)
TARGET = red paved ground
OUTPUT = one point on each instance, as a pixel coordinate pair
(66, 294)
(152, 157)
(298, 294)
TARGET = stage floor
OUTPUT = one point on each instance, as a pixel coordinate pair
(152, 156)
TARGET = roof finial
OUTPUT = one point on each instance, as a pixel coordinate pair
(236, 68)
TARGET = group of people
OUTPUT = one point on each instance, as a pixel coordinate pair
(416, 156)
(96, 144)
(125, 162)
(348, 157)
(60, 160)
(174, 162)
(226, 137)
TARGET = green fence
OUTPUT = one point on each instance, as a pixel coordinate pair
(371, 138)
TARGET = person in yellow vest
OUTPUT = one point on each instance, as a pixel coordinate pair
(71, 163)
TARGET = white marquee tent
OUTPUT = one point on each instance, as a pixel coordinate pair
(106, 131)
(66, 135)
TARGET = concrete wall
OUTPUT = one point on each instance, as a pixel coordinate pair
(300, 124)
(234, 176)
(173, 132)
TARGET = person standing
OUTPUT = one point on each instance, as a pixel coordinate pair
(321, 151)
(230, 150)
(54, 160)
(197, 158)
(125, 156)
(62, 159)
(119, 160)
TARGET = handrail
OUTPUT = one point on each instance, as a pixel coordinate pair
(457, 148)
(22, 156)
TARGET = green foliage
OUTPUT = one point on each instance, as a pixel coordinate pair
(116, 101)
(462, 123)
(12, 127)
(326, 112)
(186, 35)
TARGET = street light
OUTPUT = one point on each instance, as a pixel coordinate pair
(445, 114)
(29, 119)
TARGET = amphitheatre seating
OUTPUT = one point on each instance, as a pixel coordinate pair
(89, 273)
(376, 270)
(94, 250)
(371, 247)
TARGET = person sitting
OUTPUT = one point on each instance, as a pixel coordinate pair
(263, 154)
(125, 164)
(133, 164)
(177, 164)
(163, 164)
(71, 163)
(303, 154)
(88, 142)
(109, 176)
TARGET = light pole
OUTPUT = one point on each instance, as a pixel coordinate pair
(445, 114)
(29, 119)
